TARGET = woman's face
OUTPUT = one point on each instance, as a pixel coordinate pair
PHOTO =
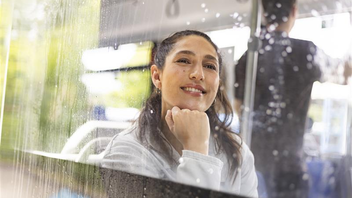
(190, 77)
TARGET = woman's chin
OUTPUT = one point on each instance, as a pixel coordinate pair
(192, 107)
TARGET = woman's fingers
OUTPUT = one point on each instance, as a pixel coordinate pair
(191, 128)
(169, 120)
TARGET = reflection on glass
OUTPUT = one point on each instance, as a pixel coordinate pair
(287, 69)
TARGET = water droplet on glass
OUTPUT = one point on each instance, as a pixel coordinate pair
(272, 27)
(314, 13)
(144, 188)
(217, 15)
(284, 19)
(309, 65)
(239, 18)
(271, 41)
(261, 51)
(275, 152)
(271, 87)
(295, 68)
(270, 129)
(290, 116)
(268, 48)
(216, 128)
(278, 5)
(288, 49)
(206, 10)
(188, 23)
(229, 51)
(282, 105)
(234, 155)
(236, 85)
(262, 70)
(271, 104)
(181, 160)
(235, 15)
(284, 54)
(151, 111)
(276, 97)
(267, 36)
(273, 17)
(198, 180)
(309, 57)
(305, 176)
(269, 112)
(215, 135)
(203, 5)
(278, 111)
(203, 20)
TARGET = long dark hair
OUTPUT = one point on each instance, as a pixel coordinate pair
(149, 122)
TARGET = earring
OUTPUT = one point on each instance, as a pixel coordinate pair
(158, 91)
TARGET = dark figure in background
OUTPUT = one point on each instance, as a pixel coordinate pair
(287, 69)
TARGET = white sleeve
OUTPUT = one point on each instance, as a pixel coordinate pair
(199, 170)
(128, 156)
(249, 180)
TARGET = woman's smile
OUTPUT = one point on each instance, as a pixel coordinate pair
(190, 77)
(194, 90)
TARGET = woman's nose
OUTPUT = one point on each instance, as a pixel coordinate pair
(197, 73)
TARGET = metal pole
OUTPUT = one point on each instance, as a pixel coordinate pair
(251, 72)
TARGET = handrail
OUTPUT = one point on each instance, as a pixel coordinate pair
(251, 72)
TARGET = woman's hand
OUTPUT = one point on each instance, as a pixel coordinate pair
(191, 128)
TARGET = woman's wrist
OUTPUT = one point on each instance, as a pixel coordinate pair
(199, 148)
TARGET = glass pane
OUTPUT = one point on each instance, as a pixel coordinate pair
(77, 122)
(301, 122)
(79, 74)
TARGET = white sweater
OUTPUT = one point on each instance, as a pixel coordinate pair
(127, 154)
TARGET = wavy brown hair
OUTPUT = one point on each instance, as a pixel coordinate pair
(149, 121)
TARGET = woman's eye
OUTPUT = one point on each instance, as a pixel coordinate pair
(210, 66)
(183, 60)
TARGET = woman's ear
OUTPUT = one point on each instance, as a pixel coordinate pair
(156, 76)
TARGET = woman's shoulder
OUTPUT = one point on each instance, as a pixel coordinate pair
(245, 150)
(125, 138)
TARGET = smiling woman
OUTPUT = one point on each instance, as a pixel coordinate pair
(178, 135)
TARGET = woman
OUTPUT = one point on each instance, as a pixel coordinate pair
(179, 135)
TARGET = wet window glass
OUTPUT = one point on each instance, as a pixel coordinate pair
(108, 98)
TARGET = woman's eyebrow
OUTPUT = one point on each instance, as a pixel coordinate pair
(187, 52)
(210, 57)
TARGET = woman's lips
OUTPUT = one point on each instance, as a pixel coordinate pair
(195, 90)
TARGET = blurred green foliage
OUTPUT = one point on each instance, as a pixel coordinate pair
(45, 99)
